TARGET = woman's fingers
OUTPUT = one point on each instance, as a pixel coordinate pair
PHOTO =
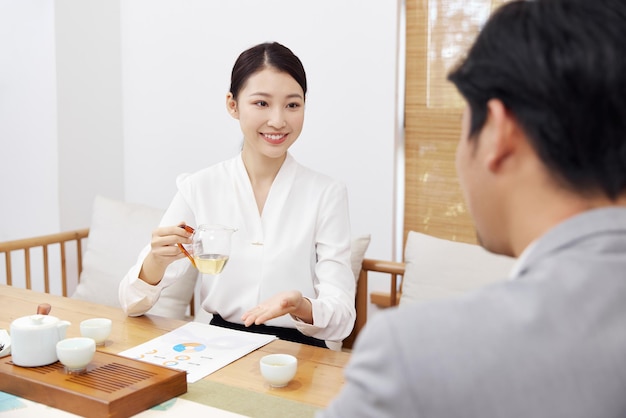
(278, 305)
(165, 239)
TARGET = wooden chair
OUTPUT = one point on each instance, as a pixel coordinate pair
(395, 270)
(45, 242)
(382, 299)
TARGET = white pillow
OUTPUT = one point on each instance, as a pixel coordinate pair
(118, 232)
(359, 246)
(437, 268)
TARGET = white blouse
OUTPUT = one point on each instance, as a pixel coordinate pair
(300, 242)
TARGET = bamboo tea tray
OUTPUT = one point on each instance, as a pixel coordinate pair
(113, 386)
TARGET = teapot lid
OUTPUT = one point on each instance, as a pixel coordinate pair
(39, 321)
(36, 321)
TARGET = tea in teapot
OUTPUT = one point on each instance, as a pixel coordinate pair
(210, 248)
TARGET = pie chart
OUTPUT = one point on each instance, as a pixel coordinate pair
(189, 347)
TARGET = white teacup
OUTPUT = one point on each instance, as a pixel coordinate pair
(97, 329)
(76, 353)
(278, 369)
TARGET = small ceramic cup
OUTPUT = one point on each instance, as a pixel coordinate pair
(76, 353)
(97, 329)
(278, 369)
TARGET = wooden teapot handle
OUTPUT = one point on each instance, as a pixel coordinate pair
(190, 230)
(44, 309)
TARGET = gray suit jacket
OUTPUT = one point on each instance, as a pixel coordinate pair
(551, 343)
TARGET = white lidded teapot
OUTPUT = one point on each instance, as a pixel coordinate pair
(34, 338)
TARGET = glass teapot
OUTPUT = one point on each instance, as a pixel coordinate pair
(210, 247)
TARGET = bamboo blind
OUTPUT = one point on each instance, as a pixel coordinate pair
(439, 32)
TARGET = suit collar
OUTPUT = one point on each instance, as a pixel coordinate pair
(584, 226)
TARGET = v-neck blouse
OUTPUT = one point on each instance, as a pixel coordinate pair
(300, 241)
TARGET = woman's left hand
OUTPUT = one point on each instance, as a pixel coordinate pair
(289, 302)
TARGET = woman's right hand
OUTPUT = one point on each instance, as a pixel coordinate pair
(164, 251)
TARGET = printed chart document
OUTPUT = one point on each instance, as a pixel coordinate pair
(197, 348)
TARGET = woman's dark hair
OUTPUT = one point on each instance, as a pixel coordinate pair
(559, 67)
(266, 55)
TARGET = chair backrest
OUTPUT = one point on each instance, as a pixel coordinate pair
(46, 253)
(391, 268)
(49, 254)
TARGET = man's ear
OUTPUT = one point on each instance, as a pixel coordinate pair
(503, 129)
(231, 106)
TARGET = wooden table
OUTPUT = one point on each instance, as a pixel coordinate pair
(320, 371)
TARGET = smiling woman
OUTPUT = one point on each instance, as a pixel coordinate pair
(270, 110)
(289, 271)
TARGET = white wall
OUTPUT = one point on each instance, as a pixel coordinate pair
(28, 139)
(89, 106)
(139, 98)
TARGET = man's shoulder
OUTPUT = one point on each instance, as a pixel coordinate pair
(513, 315)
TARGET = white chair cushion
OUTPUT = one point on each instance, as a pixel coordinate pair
(437, 268)
(118, 232)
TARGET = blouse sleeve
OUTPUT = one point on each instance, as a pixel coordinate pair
(333, 308)
(136, 296)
